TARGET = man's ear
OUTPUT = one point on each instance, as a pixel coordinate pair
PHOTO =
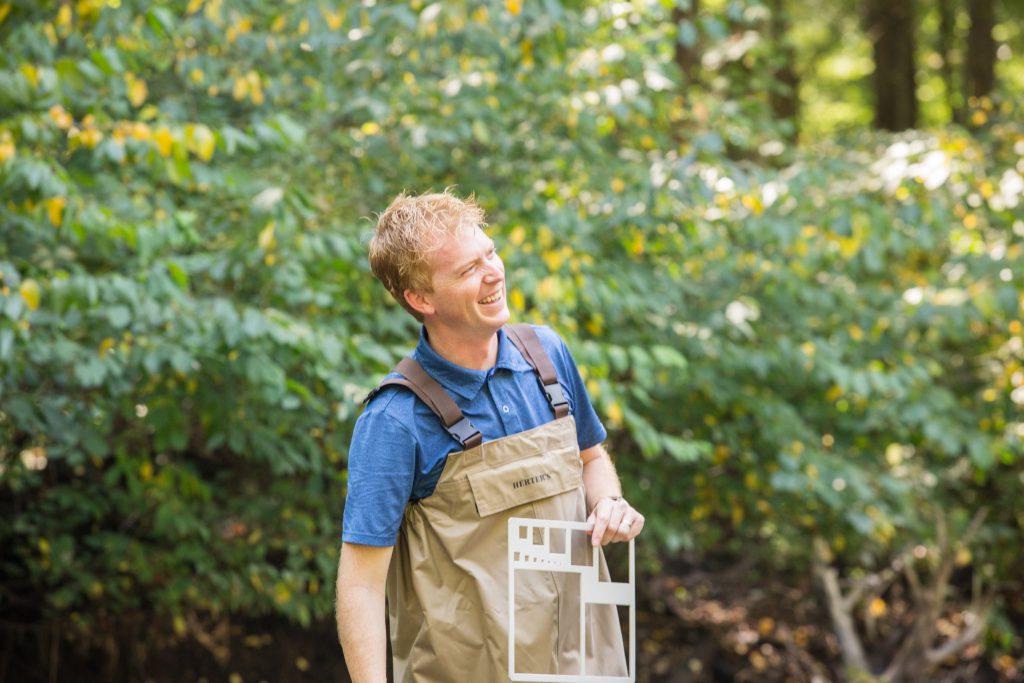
(419, 302)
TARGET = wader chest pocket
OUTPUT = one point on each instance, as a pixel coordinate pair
(526, 480)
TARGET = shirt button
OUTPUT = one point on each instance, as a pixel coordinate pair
(504, 409)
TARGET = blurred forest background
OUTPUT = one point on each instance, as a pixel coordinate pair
(784, 238)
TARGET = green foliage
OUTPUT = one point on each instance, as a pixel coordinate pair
(187, 321)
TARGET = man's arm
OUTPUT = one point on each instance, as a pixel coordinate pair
(362, 573)
(613, 518)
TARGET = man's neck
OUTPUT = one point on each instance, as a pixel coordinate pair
(464, 351)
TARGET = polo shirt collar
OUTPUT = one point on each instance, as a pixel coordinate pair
(466, 382)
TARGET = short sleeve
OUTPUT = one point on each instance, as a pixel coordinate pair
(589, 430)
(381, 470)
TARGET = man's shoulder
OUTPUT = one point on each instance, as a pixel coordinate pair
(552, 343)
(551, 340)
(390, 401)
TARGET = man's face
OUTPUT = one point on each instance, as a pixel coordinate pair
(469, 284)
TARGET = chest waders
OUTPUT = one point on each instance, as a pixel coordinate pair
(447, 586)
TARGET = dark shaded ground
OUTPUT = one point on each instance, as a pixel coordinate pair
(693, 626)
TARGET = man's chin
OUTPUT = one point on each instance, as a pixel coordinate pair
(499, 318)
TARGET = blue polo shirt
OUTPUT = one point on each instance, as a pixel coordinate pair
(399, 446)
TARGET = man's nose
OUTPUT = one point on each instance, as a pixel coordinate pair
(496, 268)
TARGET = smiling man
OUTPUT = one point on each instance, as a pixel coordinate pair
(485, 421)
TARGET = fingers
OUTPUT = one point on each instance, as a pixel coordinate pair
(614, 521)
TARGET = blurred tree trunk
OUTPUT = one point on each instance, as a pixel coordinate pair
(890, 27)
(785, 95)
(947, 29)
(980, 75)
(687, 52)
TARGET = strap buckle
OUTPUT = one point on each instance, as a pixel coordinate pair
(554, 394)
(463, 431)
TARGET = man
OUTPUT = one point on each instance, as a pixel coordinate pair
(486, 421)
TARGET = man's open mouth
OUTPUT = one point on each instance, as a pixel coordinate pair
(493, 298)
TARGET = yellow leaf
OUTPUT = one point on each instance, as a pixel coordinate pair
(55, 209)
(517, 300)
(7, 147)
(526, 47)
(196, 75)
(212, 12)
(255, 87)
(5, 9)
(240, 89)
(282, 594)
(278, 24)
(31, 74)
(193, 6)
(517, 236)
(164, 141)
(855, 332)
(515, 7)
(370, 128)
(203, 142)
(137, 89)
(553, 259)
(146, 471)
(64, 19)
(30, 292)
(60, 117)
(266, 240)
(334, 19)
(737, 515)
(90, 137)
(304, 27)
(753, 203)
(105, 346)
(614, 411)
(140, 131)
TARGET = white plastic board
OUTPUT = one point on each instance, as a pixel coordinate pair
(531, 548)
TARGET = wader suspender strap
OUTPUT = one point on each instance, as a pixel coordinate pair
(442, 405)
(526, 340)
(437, 399)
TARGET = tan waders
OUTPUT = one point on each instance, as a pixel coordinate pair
(447, 586)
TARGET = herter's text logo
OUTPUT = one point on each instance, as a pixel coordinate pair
(530, 480)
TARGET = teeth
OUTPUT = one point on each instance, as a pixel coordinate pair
(491, 299)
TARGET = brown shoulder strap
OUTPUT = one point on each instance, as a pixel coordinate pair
(436, 398)
(526, 340)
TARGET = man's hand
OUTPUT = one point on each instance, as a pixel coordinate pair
(611, 517)
(613, 520)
